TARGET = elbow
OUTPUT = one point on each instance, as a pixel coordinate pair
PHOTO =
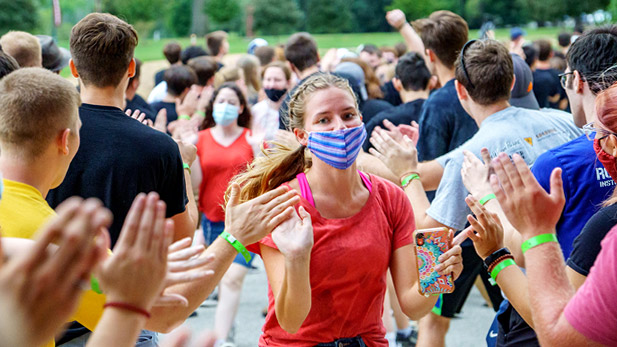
(290, 328)
(163, 325)
(415, 315)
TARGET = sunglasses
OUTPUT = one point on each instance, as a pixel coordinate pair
(467, 45)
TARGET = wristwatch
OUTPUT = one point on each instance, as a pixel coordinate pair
(496, 255)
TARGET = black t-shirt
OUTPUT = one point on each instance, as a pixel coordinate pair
(158, 77)
(401, 114)
(587, 244)
(390, 94)
(545, 84)
(138, 103)
(371, 107)
(119, 158)
(169, 106)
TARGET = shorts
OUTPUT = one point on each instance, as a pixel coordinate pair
(450, 304)
(212, 230)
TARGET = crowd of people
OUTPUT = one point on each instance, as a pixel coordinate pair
(120, 214)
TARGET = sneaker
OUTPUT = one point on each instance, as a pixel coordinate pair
(407, 341)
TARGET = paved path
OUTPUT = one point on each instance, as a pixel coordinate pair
(469, 329)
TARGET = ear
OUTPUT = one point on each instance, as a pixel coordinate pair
(73, 68)
(610, 145)
(461, 91)
(210, 82)
(513, 82)
(433, 82)
(63, 141)
(132, 68)
(301, 136)
(430, 55)
(240, 109)
(397, 84)
(578, 82)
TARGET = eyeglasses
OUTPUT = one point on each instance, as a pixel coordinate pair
(591, 131)
(563, 78)
(467, 45)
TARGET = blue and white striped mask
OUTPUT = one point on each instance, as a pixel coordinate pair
(338, 148)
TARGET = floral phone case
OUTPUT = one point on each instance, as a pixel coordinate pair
(429, 245)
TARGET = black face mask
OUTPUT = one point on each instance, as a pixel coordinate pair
(275, 94)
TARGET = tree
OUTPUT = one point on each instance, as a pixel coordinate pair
(329, 16)
(134, 11)
(222, 11)
(415, 9)
(18, 15)
(370, 15)
(180, 17)
(276, 17)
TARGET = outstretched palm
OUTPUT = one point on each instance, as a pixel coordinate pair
(294, 237)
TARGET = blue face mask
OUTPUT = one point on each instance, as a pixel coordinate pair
(224, 113)
(338, 148)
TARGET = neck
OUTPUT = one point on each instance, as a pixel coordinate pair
(219, 57)
(323, 177)
(307, 72)
(479, 112)
(229, 130)
(589, 107)
(276, 105)
(107, 96)
(130, 94)
(543, 65)
(411, 95)
(444, 74)
(35, 173)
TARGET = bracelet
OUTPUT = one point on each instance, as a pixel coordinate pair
(406, 180)
(487, 198)
(94, 284)
(499, 260)
(538, 240)
(186, 166)
(128, 307)
(491, 259)
(237, 245)
(201, 113)
(504, 264)
(184, 116)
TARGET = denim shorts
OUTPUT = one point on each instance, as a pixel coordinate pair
(212, 230)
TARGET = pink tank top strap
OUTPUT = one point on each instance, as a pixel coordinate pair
(367, 181)
(305, 189)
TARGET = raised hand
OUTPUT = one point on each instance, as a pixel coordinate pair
(135, 273)
(137, 115)
(40, 287)
(400, 158)
(188, 151)
(250, 221)
(412, 131)
(160, 123)
(188, 105)
(486, 232)
(529, 208)
(294, 237)
(396, 18)
(475, 173)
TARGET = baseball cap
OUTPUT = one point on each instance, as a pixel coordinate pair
(258, 42)
(516, 32)
(522, 92)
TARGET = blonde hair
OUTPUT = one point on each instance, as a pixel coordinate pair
(250, 66)
(282, 162)
(227, 74)
(24, 47)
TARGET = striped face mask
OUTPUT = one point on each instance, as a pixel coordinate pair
(338, 148)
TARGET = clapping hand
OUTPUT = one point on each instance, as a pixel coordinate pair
(486, 230)
(294, 237)
(475, 173)
(400, 158)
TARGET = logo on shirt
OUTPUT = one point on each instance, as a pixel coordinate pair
(529, 140)
(604, 178)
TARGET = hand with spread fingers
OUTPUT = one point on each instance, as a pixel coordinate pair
(475, 173)
(451, 262)
(400, 158)
(486, 230)
(529, 208)
(40, 287)
(294, 237)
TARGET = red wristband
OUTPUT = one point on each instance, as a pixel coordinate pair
(128, 307)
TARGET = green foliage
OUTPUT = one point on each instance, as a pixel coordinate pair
(180, 17)
(514, 12)
(329, 16)
(18, 15)
(370, 15)
(222, 11)
(276, 17)
(415, 9)
(135, 10)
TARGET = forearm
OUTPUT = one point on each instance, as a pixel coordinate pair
(412, 39)
(191, 206)
(372, 165)
(293, 301)
(511, 237)
(165, 319)
(419, 201)
(415, 305)
(550, 287)
(514, 284)
(431, 173)
(118, 328)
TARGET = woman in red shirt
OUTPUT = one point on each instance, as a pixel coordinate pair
(327, 265)
(223, 149)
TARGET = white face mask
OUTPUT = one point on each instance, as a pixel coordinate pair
(224, 113)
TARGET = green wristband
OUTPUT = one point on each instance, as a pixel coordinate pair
(407, 179)
(184, 116)
(201, 113)
(94, 283)
(504, 264)
(538, 240)
(186, 166)
(237, 245)
(487, 198)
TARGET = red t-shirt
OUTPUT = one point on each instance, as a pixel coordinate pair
(219, 165)
(349, 262)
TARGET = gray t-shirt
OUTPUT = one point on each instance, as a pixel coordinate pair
(512, 130)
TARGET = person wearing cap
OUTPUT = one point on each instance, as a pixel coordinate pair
(258, 42)
(522, 90)
(484, 78)
(517, 41)
(55, 58)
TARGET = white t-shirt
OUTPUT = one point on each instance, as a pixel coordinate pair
(265, 120)
(158, 93)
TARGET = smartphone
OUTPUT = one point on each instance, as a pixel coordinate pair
(429, 245)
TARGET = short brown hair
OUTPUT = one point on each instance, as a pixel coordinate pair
(24, 47)
(280, 65)
(178, 78)
(490, 69)
(204, 67)
(102, 47)
(172, 52)
(214, 41)
(301, 51)
(265, 54)
(544, 49)
(444, 33)
(34, 105)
